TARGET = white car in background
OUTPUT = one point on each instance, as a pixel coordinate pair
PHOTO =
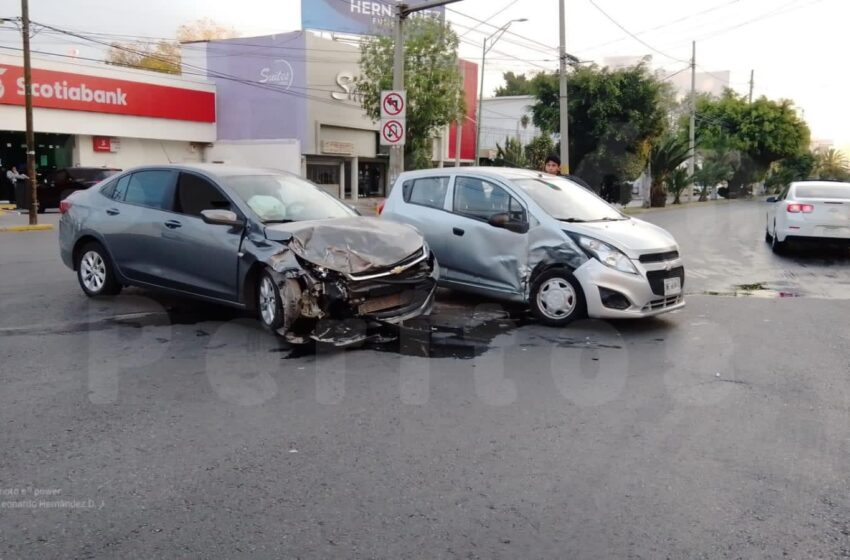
(809, 210)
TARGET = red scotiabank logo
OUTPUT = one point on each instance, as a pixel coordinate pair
(77, 92)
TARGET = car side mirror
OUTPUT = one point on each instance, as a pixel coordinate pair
(503, 221)
(222, 218)
(772, 199)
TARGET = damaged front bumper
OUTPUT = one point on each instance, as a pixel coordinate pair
(335, 308)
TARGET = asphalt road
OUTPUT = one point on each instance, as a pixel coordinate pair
(161, 429)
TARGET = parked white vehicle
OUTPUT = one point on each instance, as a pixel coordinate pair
(808, 210)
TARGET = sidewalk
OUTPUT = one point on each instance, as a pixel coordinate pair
(15, 221)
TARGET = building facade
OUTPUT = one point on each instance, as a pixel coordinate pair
(98, 115)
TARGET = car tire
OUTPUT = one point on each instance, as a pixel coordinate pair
(269, 303)
(557, 298)
(95, 272)
(778, 247)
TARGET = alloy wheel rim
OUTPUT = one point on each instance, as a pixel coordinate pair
(93, 271)
(556, 298)
(268, 301)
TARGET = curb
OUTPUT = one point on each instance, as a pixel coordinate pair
(8, 206)
(19, 229)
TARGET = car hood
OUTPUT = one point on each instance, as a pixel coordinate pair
(634, 237)
(351, 245)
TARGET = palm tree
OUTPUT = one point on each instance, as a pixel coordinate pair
(832, 165)
(678, 182)
(664, 158)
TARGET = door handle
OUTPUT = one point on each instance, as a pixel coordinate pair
(458, 231)
(173, 224)
(113, 211)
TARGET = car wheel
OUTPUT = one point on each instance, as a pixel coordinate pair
(95, 273)
(269, 305)
(557, 298)
(777, 246)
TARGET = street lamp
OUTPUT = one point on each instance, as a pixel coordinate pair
(492, 39)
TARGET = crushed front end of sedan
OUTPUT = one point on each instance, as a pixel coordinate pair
(336, 277)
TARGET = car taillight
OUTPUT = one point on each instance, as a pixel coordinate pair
(380, 207)
(64, 206)
(798, 208)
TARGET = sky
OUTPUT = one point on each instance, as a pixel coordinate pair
(796, 48)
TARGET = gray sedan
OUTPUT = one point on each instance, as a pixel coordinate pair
(256, 239)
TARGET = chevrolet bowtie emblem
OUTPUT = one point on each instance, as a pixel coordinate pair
(397, 270)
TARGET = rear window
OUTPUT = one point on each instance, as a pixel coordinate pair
(427, 191)
(824, 191)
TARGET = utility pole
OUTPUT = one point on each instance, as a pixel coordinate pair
(402, 11)
(752, 76)
(30, 134)
(492, 39)
(692, 143)
(565, 120)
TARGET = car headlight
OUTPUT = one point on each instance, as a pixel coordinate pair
(607, 254)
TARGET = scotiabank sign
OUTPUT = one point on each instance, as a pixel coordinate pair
(78, 92)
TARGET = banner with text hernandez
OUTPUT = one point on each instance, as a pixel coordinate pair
(358, 17)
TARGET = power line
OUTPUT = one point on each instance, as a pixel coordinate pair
(635, 37)
(662, 26)
(508, 5)
(549, 48)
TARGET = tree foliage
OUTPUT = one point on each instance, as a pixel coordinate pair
(614, 117)
(665, 156)
(831, 165)
(511, 154)
(719, 163)
(435, 95)
(788, 170)
(763, 131)
(515, 84)
(678, 181)
(164, 56)
(538, 150)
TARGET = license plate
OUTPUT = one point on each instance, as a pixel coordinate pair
(672, 286)
(386, 302)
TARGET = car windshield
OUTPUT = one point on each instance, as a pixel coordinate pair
(838, 190)
(564, 200)
(92, 175)
(285, 198)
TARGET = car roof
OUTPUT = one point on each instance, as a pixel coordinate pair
(491, 172)
(213, 169)
(820, 184)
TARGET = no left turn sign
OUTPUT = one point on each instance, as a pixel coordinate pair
(393, 105)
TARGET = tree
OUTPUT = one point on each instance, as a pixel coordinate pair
(538, 150)
(763, 131)
(515, 84)
(788, 170)
(719, 163)
(435, 95)
(678, 182)
(512, 155)
(665, 156)
(615, 116)
(831, 165)
(164, 56)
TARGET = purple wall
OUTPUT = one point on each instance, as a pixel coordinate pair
(261, 86)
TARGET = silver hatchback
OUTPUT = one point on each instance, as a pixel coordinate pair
(526, 236)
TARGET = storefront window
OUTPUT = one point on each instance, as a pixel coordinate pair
(323, 174)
